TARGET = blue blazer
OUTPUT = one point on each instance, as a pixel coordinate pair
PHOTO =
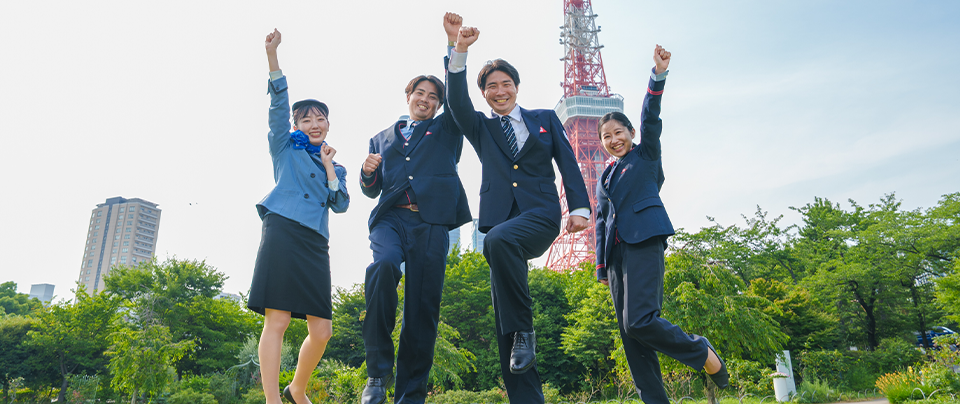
(427, 163)
(629, 206)
(301, 193)
(527, 179)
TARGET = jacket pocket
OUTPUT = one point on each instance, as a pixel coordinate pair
(484, 187)
(548, 188)
(646, 203)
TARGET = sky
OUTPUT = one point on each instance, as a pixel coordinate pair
(768, 104)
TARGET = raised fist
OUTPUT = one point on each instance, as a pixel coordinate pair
(272, 41)
(327, 153)
(371, 163)
(466, 37)
(662, 58)
(451, 25)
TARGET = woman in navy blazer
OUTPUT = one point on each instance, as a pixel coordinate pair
(291, 277)
(632, 230)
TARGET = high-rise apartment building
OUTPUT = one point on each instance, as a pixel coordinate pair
(122, 232)
(477, 237)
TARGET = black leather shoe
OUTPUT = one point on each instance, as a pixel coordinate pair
(722, 377)
(288, 395)
(523, 355)
(375, 392)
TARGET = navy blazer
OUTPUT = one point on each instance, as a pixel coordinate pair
(427, 163)
(527, 179)
(301, 193)
(629, 206)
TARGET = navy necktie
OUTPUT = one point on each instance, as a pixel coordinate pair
(508, 131)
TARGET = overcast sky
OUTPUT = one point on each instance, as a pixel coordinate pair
(767, 103)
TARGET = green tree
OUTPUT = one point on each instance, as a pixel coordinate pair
(75, 334)
(13, 354)
(15, 303)
(182, 295)
(808, 324)
(467, 308)
(141, 361)
(346, 345)
(589, 339)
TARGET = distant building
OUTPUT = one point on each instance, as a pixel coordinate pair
(454, 239)
(122, 232)
(477, 237)
(42, 291)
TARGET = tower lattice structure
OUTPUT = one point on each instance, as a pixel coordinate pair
(586, 98)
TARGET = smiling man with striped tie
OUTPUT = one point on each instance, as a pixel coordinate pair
(519, 202)
(412, 167)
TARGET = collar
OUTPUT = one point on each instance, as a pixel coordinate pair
(515, 115)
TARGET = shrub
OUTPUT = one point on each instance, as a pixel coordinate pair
(748, 377)
(189, 396)
(253, 396)
(814, 391)
(901, 386)
(468, 397)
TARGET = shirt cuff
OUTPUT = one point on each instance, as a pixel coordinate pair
(458, 61)
(334, 185)
(276, 75)
(659, 77)
(365, 176)
(582, 212)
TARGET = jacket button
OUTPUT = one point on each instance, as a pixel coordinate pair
(410, 177)
(514, 184)
(312, 175)
(406, 144)
(305, 196)
(408, 158)
(515, 166)
(322, 204)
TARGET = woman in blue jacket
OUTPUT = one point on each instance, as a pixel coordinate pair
(291, 277)
(632, 230)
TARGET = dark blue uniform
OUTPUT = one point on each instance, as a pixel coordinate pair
(421, 171)
(632, 230)
(519, 211)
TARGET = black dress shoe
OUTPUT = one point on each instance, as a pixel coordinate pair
(523, 355)
(375, 392)
(288, 395)
(722, 377)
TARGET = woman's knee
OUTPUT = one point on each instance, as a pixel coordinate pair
(321, 329)
(276, 321)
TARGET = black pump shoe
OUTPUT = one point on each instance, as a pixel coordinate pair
(288, 395)
(722, 377)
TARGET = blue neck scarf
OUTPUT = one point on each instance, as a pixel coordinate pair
(301, 142)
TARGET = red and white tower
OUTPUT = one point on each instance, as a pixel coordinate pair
(586, 98)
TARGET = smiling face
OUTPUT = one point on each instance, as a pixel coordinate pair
(616, 138)
(315, 125)
(500, 92)
(423, 101)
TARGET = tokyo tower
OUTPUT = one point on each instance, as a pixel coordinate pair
(586, 98)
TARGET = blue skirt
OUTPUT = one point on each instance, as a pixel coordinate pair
(292, 272)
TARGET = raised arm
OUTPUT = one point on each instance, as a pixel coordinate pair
(279, 116)
(651, 126)
(458, 96)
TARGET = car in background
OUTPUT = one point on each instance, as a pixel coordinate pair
(934, 331)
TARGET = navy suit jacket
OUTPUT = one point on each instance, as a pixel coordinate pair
(427, 163)
(527, 179)
(629, 206)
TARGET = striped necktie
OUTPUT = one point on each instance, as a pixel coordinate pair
(508, 130)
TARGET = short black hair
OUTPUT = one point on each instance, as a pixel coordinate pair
(303, 108)
(412, 85)
(614, 116)
(498, 65)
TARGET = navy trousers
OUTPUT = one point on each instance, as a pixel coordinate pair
(507, 247)
(635, 274)
(400, 235)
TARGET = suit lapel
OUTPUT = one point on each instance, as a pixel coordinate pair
(418, 134)
(624, 163)
(496, 132)
(533, 126)
(395, 139)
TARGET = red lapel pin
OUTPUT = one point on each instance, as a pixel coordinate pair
(542, 130)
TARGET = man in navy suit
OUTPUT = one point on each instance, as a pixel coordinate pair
(412, 167)
(519, 202)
